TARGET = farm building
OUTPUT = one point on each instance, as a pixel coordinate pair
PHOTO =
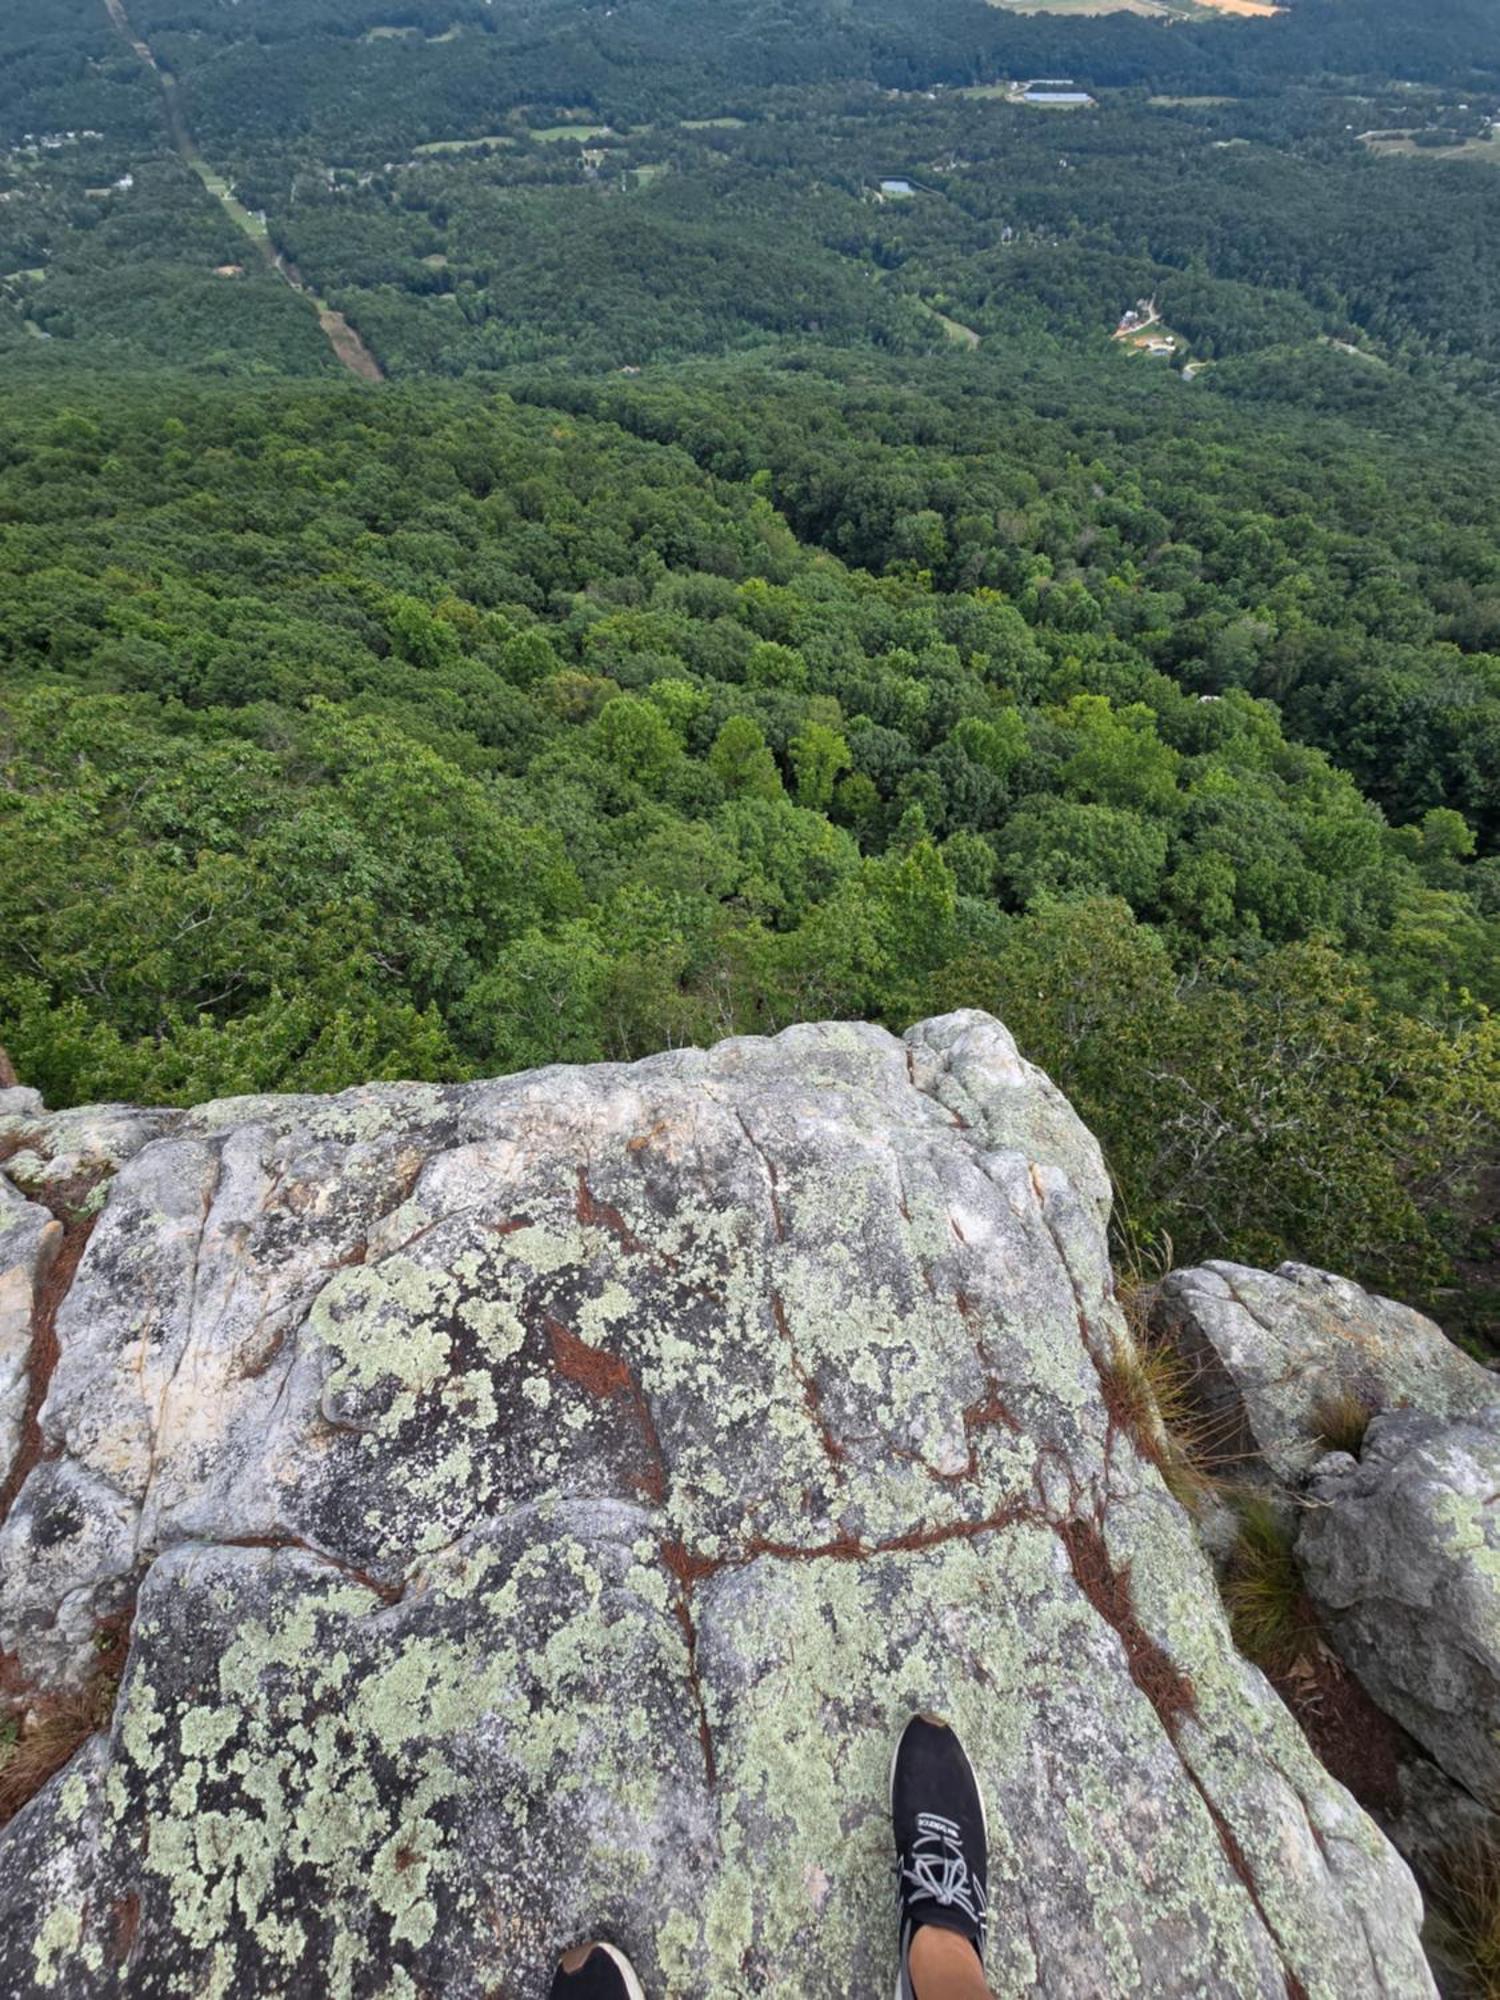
(1071, 97)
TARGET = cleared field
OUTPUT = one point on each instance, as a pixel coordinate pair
(466, 145)
(961, 335)
(713, 124)
(254, 226)
(1404, 144)
(579, 132)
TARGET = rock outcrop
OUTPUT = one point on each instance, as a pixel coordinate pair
(1401, 1550)
(541, 1502)
(1272, 1356)
(28, 1243)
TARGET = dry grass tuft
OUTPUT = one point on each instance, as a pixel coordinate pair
(1341, 1420)
(1270, 1613)
(1147, 1391)
(1153, 1392)
(1463, 1925)
(36, 1745)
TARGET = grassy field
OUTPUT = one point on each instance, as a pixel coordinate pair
(1404, 144)
(466, 145)
(579, 132)
(963, 336)
(253, 225)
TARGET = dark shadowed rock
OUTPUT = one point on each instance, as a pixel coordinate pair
(545, 1499)
(1402, 1555)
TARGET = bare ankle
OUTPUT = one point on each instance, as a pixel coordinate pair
(945, 1966)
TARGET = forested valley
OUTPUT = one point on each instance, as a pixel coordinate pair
(755, 570)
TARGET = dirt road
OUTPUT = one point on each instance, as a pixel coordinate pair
(340, 335)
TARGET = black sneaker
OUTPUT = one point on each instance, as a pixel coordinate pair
(942, 1848)
(606, 1974)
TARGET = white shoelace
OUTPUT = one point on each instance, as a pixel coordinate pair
(936, 1869)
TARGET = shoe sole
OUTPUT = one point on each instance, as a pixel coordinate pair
(625, 1969)
(984, 1817)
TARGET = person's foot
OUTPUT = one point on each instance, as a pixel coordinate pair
(596, 1972)
(942, 1852)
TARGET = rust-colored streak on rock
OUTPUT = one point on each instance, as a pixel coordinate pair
(1234, 1854)
(773, 1187)
(989, 1411)
(52, 1288)
(1168, 1690)
(687, 1568)
(984, 1415)
(124, 1925)
(601, 1374)
(848, 1548)
(812, 1397)
(257, 1365)
(594, 1213)
(1159, 1679)
(953, 1531)
(388, 1593)
(593, 1369)
(510, 1225)
(845, 1548)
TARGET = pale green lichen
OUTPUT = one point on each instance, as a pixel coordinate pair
(58, 1937)
(554, 1667)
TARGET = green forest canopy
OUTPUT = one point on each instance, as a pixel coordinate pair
(524, 709)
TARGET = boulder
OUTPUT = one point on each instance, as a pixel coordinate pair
(543, 1501)
(59, 1154)
(1270, 1355)
(1401, 1551)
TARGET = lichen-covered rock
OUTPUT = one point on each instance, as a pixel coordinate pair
(1270, 1354)
(547, 1498)
(28, 1242)
(1401, 1550)
(50, 1153)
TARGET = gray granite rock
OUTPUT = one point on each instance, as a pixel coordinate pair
(546, 1499)
(28, 1242)
(1401, 1550)
(1267, 1352)
(43, 1152)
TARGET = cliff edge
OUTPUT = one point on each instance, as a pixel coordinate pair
(535, 1505)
